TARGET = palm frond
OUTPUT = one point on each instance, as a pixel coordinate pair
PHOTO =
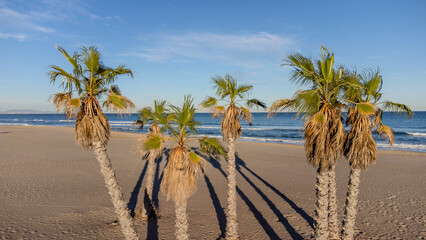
(244, 90)
(212, 146)
(110, 75)
(398, 108)
(118, 103)
(68, 80)
(73, 60)
(246, 115)
(218, 111)
(386, 132)
(221, 86)
(255, 103)
(304, 70)
(91, 58)
(305, 102)
(278, 106)
(208, 102)
(366, 108)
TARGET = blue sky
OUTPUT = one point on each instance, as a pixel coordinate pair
(175, 47)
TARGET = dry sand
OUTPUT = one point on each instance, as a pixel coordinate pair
(51, 189)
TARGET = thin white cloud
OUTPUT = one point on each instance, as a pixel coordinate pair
(18, 36)
(247, 50)
(35, 18)
(19, 25)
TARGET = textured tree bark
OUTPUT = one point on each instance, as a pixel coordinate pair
(321, 206)
(231, 211)
(148, 210)
(333, 224)
(120, 206)
(351, 201)
(181, 221)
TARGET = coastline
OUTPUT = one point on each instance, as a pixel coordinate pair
(52, 189)
(136, 135)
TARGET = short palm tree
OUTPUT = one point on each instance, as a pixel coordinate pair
(154, 118)
(363, 96)
(231, 95)
(88, 82)
(323, 129)
(183, 165)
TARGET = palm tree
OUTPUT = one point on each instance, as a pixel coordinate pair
(323, 129)
(231, 94)
(154, 118)
(363, 95)
(183, 164)
(88, 82)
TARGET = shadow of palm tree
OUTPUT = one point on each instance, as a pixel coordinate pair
(293, 233)
(257, 214)
(152, 226)
(221, 217)
(131, 205)
(300, 211)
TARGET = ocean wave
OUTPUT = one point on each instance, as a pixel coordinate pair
(122, 122)
(404, 146)
(250, 128)
(67, 120)
(258, 139)
(208, 127)
(416, 134)
(38, 120)
(16, 124)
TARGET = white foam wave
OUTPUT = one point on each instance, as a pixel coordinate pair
(16, 124)
(259, 139)
(67, 120)
(417, 134)
(247, 128)
(256, 129)
(208, 127)
(122, 122)
(417, 147)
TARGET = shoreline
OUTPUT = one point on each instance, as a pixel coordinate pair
(390, 151)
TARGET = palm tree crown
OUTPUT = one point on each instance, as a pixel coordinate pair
(157, 119)
(90, 80)
(320, 105)
(184, 164)
(362, 97)
(232, 95)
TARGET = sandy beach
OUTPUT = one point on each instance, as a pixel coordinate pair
(51, 189)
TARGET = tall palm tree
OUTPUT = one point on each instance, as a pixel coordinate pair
(231, 95)
(89, 81)
(363, 96)
(323, 129)
(154, 118)
(183, 165)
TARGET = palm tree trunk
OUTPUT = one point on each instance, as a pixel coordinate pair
(114, 191)
(333, 224)
(351, 201)
(148, 210)
(231, 211)
(321, 206)
(181, 221)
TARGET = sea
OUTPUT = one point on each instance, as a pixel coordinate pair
(410, 135)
